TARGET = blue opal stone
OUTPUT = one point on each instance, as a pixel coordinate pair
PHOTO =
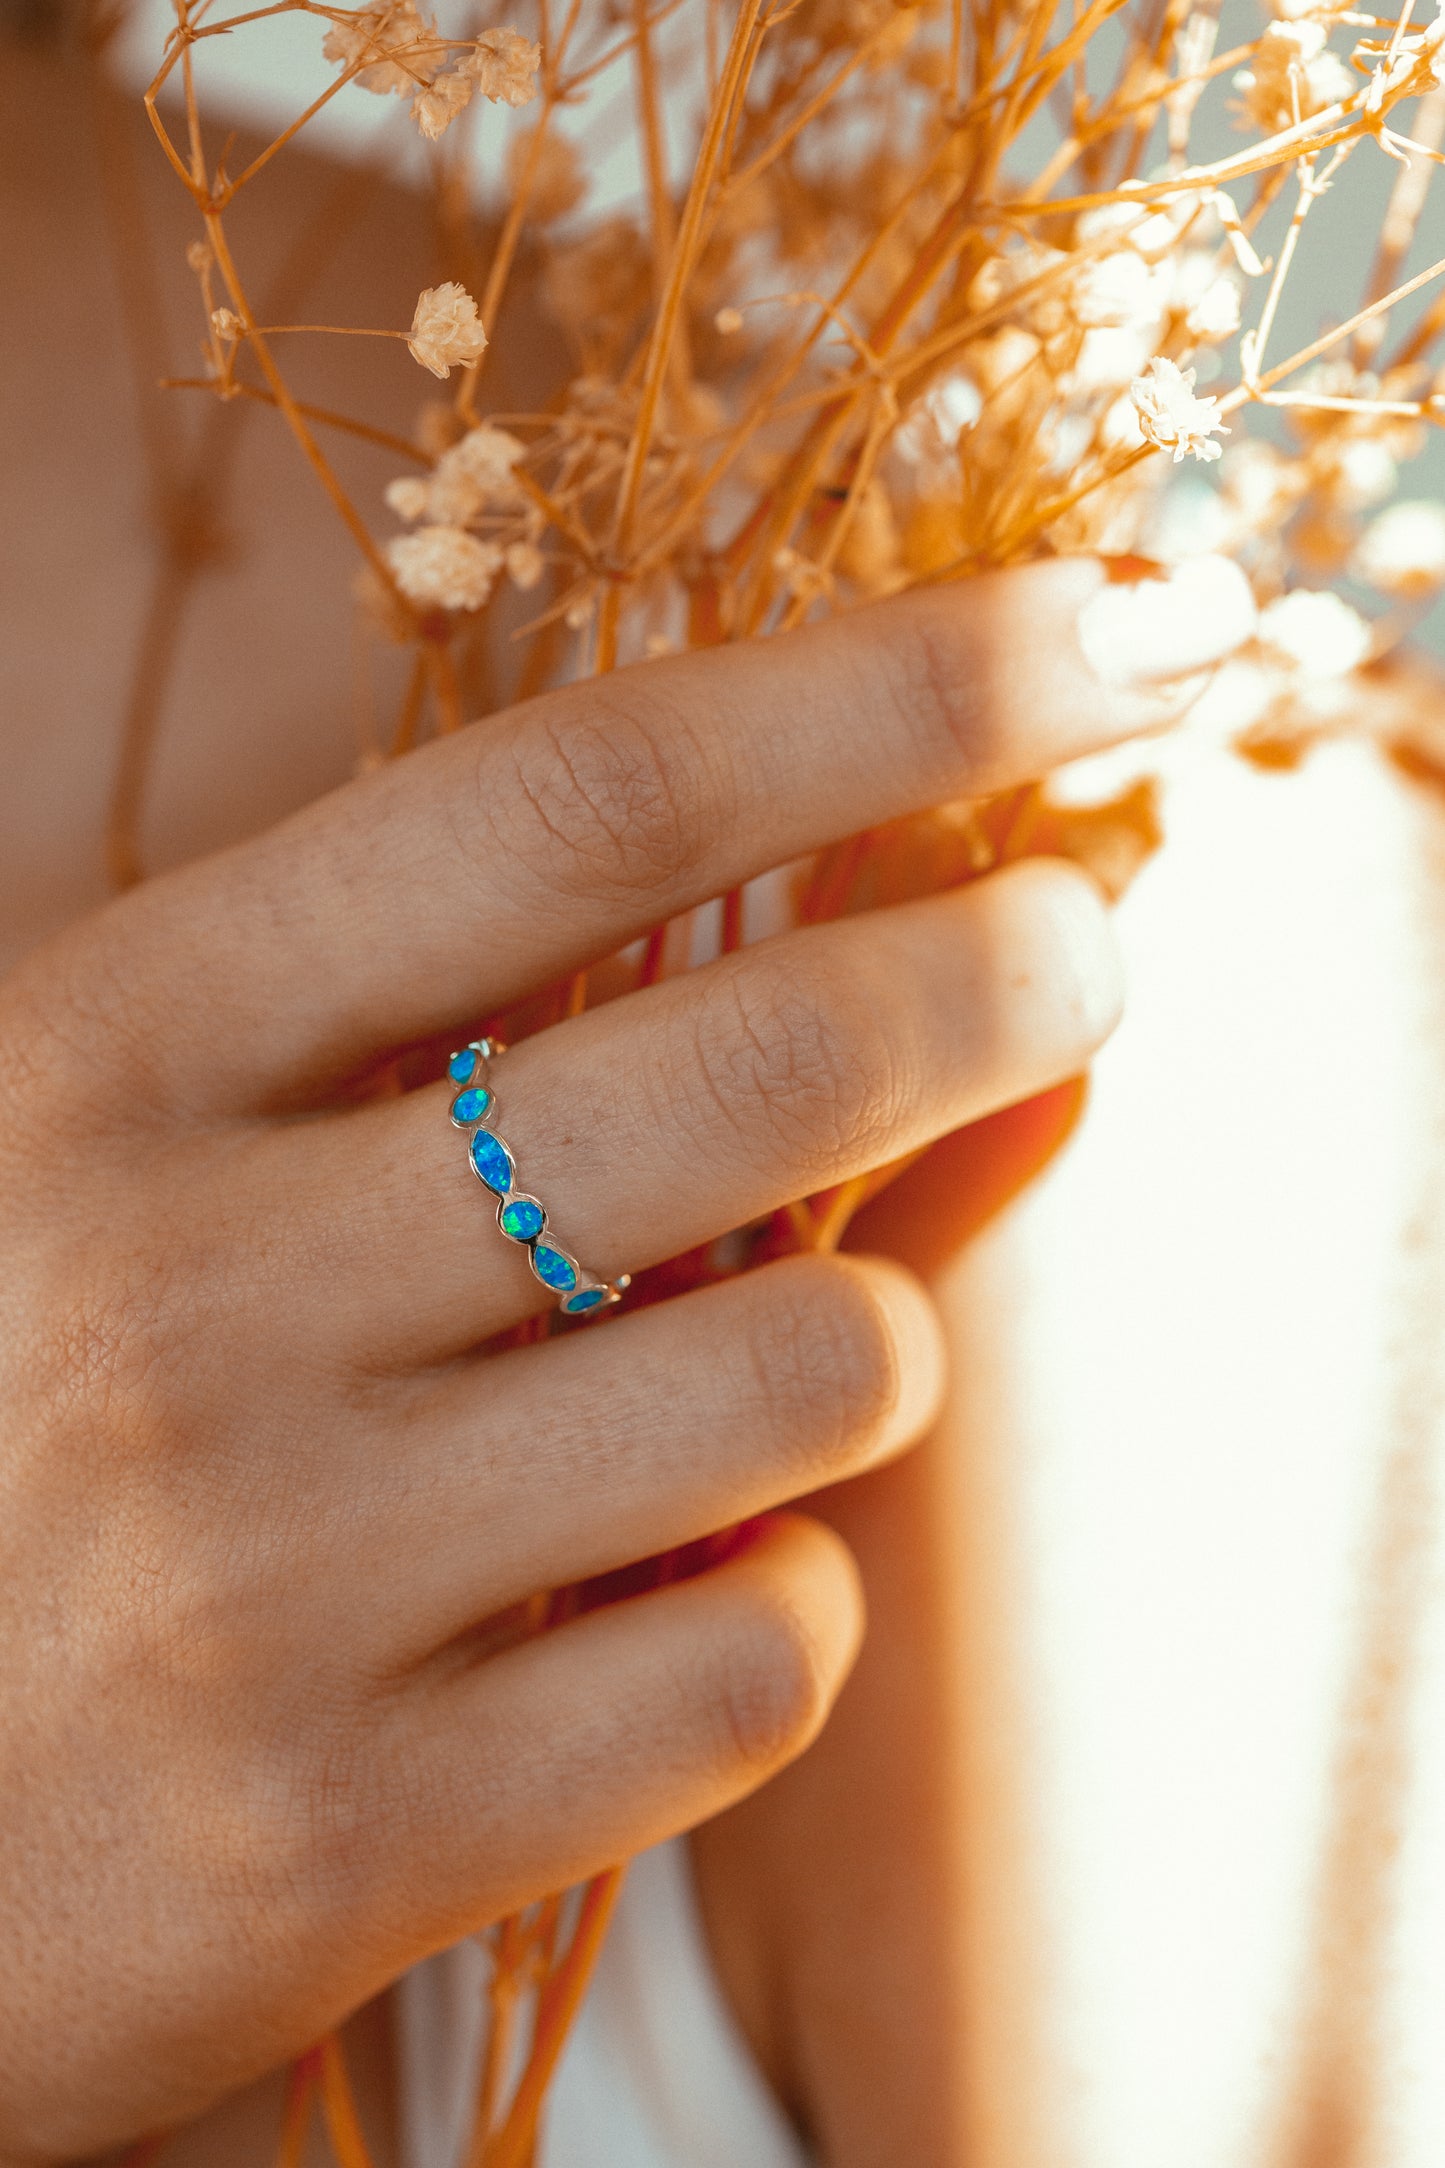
(472, 1105)
(492, 1161)
(553, 1269)
(522, 1218)
(588, 1299)
(462, 1066)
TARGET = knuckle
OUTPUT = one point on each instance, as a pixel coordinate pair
(107, 1350)
(803, 1066)
(772, 1689)
(83, 1026)
(938, 706)
(826, 1357)
(297, 1830)
(615, 798)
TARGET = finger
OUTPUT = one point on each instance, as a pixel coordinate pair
(452, 883)
(501, 1781)
(683, 1419)
(667, 1117)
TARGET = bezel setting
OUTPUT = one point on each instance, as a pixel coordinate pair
(580, 1293)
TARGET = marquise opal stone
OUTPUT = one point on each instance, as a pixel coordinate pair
(522, 1218)
(471, 1106)
(462, 1065)
(553, 1268)
(588, 1299)
(493, 1163)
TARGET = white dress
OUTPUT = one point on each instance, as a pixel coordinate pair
(655, 2075)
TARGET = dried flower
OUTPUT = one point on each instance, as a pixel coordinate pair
(729, 322)
(436, 105)
(1316, 632)
(407, 496)
(505, 65)
(407, 47)
(488, 455)
(1357, 471)
(1402, 551)
(1171, 416)
(444, 568)
(446, 330)
(1119, 289)
(524, 564)
(930, 430)
(1215, 314)
(1293, 75)
(226, 324)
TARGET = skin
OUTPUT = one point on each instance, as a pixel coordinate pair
(262, 1490)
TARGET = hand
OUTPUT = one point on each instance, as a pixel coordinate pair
(260, 1490)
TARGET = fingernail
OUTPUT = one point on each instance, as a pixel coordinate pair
(1151, 623)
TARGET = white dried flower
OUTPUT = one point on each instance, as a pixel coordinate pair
(1149, 233)
(200, 256)
(226, 324)
(524, 565)
(408, 47)
(1315, 632)
(407, 496)
(1402, 551)
(1110, 356)
(454, 498)
(1215, 314)
(481, 464)
(1362, 472)
(505, 66)
(1171, 416)
(446, 330)
(1294, 74)
(933, 425)
(444, 568)
(1119, 290)
(1262, 489)
(436, 105)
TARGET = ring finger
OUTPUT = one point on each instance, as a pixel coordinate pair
(662, 1119)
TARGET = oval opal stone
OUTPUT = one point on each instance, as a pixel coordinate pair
(587, 1299)
(471, 1105)
(522, 1218)
(462, 1065)
(552, 1268)
(492, 1161)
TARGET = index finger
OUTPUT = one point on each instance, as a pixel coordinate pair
(453, 883)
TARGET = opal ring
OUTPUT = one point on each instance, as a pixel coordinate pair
(520, 1216)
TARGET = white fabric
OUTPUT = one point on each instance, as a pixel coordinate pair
(655, 2075)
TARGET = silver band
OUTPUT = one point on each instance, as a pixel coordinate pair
(521, 1217)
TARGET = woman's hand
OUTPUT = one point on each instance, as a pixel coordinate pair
(259, 1489)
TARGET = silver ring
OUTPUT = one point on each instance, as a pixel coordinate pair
(521, 1217)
